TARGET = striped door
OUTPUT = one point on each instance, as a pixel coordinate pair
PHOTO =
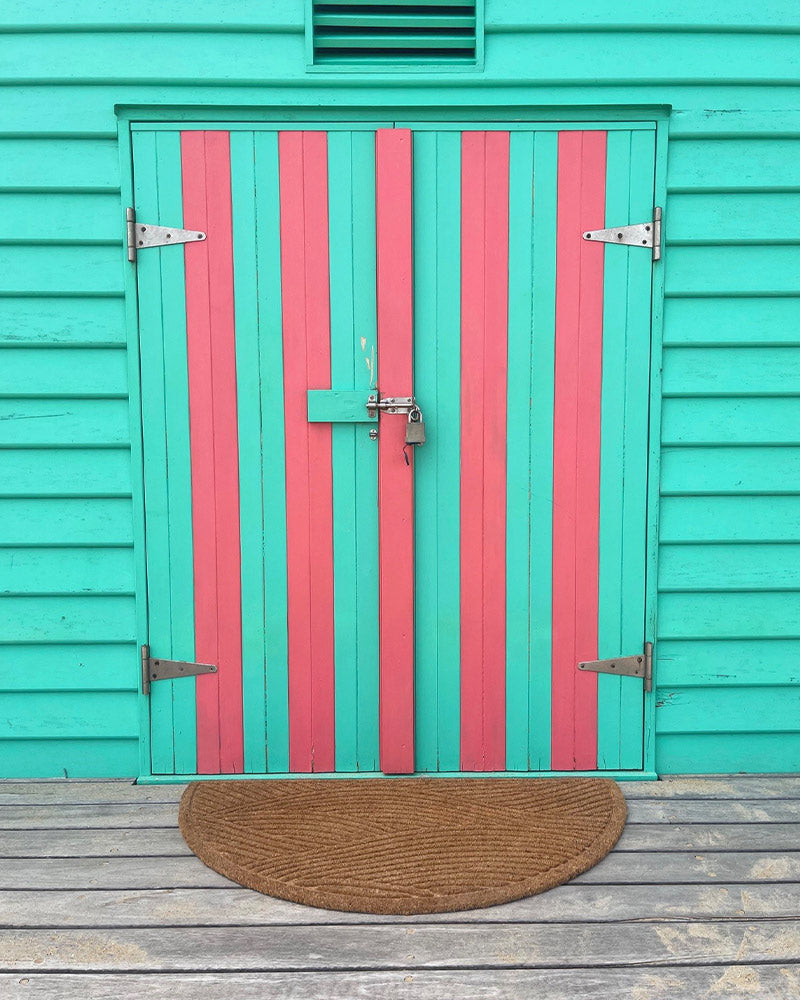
(369, 606)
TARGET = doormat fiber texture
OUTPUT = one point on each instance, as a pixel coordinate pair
(402, 845)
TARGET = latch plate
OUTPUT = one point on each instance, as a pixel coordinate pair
(154, 669)
(390, 404)
(144, 234)
(645, 234)
(626, 666)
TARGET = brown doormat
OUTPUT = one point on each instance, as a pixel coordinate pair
(407, 845)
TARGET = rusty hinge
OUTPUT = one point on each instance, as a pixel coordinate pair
(643, 234)
(165, 670)
(640, 665)
(143, 234)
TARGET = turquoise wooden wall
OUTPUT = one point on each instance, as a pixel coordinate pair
(728, 640)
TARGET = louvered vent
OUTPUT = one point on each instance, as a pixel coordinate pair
(394, 31)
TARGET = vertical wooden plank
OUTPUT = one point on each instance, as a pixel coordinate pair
(154, 432)
(345, 550)
(614, 459)
(437, 334)
(351, 168)
(214, 442)
(393, 185)
(612, 455)
(251, 473)
(518, 488)
(576, 471)
(270, 319)
(484, 331)
(545, 200)
(448, 446)
(637, 398)
(364, 348)
(309, 474)
(179, 480)
(426, 487)
(351, 171)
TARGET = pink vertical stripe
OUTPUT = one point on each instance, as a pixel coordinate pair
(205, 161)
(484, 378)
(305, 292)
(576, 447)
(395, 478)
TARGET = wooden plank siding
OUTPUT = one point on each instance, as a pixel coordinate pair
(100, 895)
(728, 632)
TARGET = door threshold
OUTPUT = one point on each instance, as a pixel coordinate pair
(174, 779)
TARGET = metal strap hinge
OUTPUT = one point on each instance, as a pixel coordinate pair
(626, 666)
(165, 670)
(142, 235)
(645, 234)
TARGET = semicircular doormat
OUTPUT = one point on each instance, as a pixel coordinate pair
(403, 845)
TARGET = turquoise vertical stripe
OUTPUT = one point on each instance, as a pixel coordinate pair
(364, 345)
(248, 395)
(637, 398)
(351, 218)
(274, 448)
(545, 193)
(345, 487)
(437, 378)
(179, 468)
(623, 453)
(426, 610)
(154, 429)
(612, 454)
(165, 421)
(518, 452)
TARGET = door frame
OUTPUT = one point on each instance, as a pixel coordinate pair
(507, 118)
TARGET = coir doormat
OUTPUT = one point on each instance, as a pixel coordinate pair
(402, 845)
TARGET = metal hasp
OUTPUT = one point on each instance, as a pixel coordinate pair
(646, 234)
(390, 404)
(415, 427)
(165, 670)
(142, 235)
(626, 666)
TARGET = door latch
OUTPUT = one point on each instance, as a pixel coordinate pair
(415, 426)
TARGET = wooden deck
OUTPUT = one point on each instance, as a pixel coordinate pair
(101, 899)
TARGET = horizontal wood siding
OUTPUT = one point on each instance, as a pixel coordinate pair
(728, 683)
(68, 652)
(728, 631)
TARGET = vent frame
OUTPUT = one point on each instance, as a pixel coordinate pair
(335, 57)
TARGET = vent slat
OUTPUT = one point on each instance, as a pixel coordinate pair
(378, 5)
(409, 42)
(348, 22)
(394, 30)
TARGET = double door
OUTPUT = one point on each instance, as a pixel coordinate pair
(372, 605)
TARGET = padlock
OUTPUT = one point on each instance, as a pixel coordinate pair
(415, 428)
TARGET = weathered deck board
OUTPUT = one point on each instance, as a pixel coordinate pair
(743, 982)
(620, 868)
(144, 814)
(214, 907)
(72, 791)
(165, 842)
(389, 946)
(100, 899)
